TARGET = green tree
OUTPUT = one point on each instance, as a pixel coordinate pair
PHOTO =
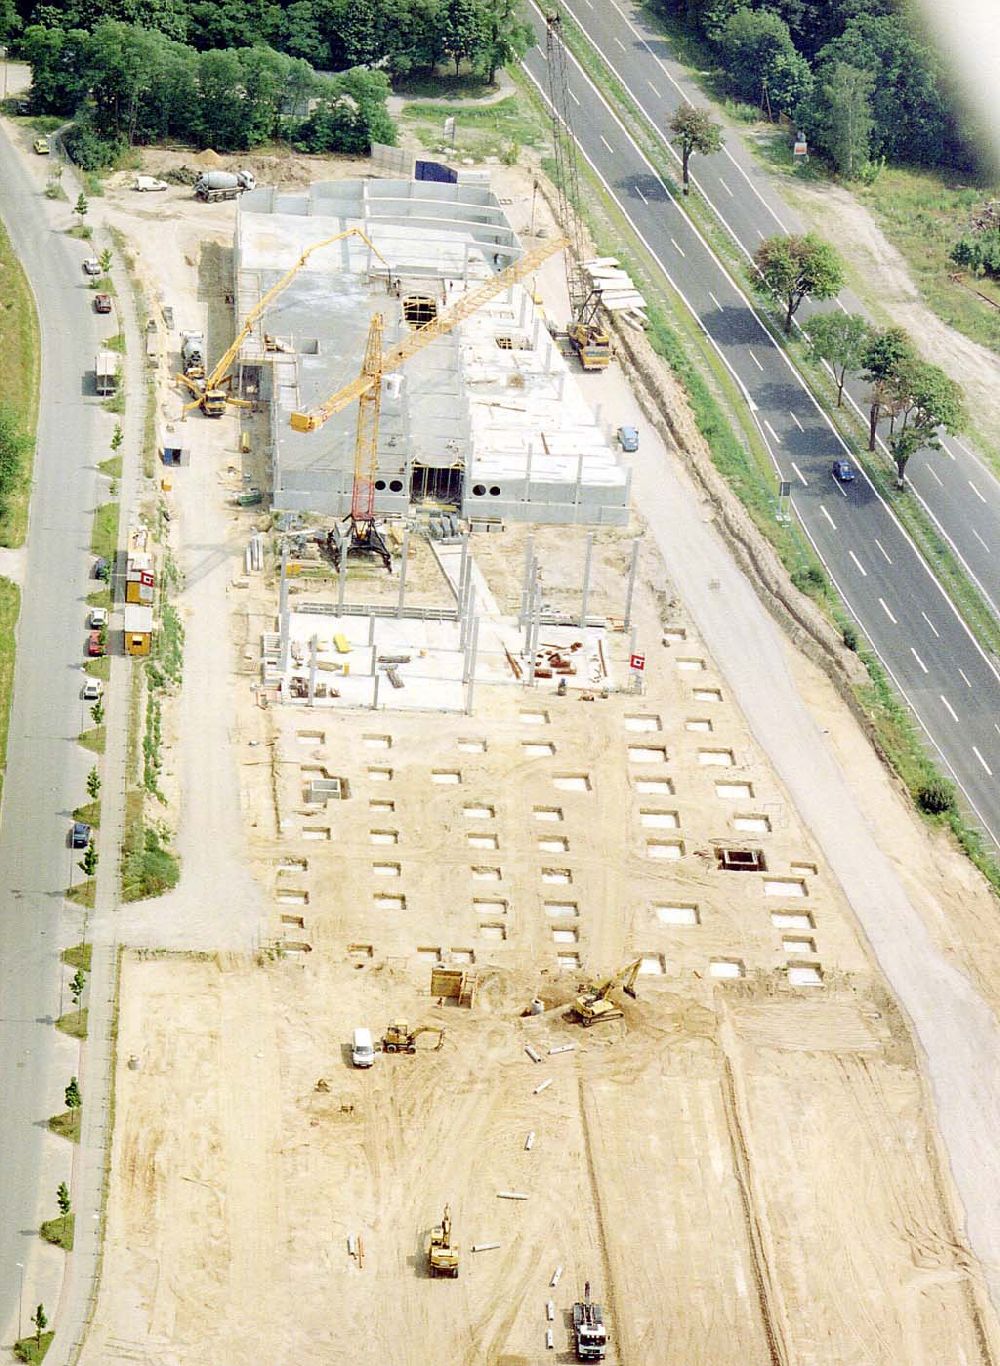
(81, 207)
(839, 339)
(761, 62)
(798, 267)
(15, 446)
(76, 987)
(88, 864)
(72, 1095)
(507, 36)
(117, 437)
(465, 30)
(63, 1198)
(922, 400)
(105, 259)
(40, 1319)
(93, 783)
(97, 713)
(843, 116)
(694, 131)
(883, 354)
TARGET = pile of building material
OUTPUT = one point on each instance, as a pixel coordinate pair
(616, 287)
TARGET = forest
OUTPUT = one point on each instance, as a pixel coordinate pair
(857, 76)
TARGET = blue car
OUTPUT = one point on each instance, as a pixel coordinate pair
(629, 438)
(844, 472)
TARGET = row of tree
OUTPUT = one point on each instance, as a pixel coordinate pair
(128, 84)
(857, 75)
(402, 36)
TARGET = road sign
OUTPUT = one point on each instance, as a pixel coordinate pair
(784, 488)
(637, 663)
(801, 149)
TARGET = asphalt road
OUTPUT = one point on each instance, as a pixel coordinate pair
(46, 771)
(936, 663)
(959, 492)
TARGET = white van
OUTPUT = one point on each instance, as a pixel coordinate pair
(362, 1048)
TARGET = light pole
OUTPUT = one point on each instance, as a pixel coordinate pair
(20, 1302)
(3, 58)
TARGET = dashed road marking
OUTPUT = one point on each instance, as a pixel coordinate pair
(714, 299)
(979, 539)
(964, 678)
(620, 43)
(679, 248)
(934, 477)
(976, 491)
(607, 143)
(640, 194)
(573, 96)
(887, 612)
(931, 624)
(919, 660)
(982, 761)
(755, 360)
(726, 188)
(796, 421)
(864, 571)
(772, 431)
(827, 516)
(883, 550)
(800, 474)
(653, 88)
(951, 709)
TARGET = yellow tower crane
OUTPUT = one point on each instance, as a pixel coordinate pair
(212, 393)
(367, 390)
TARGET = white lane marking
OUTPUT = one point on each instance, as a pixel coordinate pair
(888, 613)
(680, 249)
(951, 709)
(864, 571)
(755, 360)
(934, 477)
(996, 728)
(648, 82)
(606, 143)
(931, 624)
(640, 194)
(620, 43)
(979, 539)
(796, 421)
(964, 679)
(714, 299)
(726, 188)
(589, 3)
(772, 431)
(883, 550)
(827, 516)
(573, 96)
(975, 491)
(800, 474)
(839, 487)
(919, 660)
(541, 53)
(982, 761)
(760, 234)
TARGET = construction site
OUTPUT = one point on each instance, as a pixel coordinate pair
(508, 1010)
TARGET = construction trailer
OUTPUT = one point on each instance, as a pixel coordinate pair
(138, 628)
(106, 366)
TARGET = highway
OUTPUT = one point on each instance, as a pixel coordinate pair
(46, 771)
(959, 491)
(936, 663)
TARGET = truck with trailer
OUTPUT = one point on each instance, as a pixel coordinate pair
(212, 186)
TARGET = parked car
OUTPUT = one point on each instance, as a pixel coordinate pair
(80, 836)
(92, 266)
(93, 690)
(844, 472)
(98, 617)
(102, 303)
(628, 438)
(95, 645)
(102, 568)
(145, 183)
(41, 146)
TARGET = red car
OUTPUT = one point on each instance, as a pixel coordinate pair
(102, 303)
(95, 646)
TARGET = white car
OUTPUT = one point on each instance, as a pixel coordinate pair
(145, 183)
(98, 618)
(92, 266)
(92, 690)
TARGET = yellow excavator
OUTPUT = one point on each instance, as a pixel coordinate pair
(442, 1253)
(213, 391)
(594, 1003)
(400, 1038)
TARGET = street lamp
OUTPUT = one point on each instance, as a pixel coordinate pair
(3, 58)
(20, 1302)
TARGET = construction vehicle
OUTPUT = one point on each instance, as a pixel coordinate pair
(400, 1038)
(193, 354)
(594, 1003)
(588, 1328)
(364, 538)
(587, 336)
(213, 391)
(214, 185)
(442, 1253)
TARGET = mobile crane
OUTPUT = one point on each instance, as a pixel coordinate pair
(593, 1003)
(366, 389)
(213, 391)
(588, 338)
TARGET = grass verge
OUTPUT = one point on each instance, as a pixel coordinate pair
(10, 606)
(74, 1023)
(104, 532)
(59, 1231)
(89, 813)
(67, 1125)
(94, 739)
(33, 1349)
(492, 130)
(82, 893)
(77, 956)
(20, 348)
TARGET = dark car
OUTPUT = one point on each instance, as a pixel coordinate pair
(844, 472)
(629, 438)
(95, 645)
(80, 836)
(102, 568)
(102, 303)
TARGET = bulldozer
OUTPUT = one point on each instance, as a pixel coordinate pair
(400, 1038)
(442, 1253)
(594, 1003)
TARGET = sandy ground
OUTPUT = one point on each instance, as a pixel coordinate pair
(692, 1159)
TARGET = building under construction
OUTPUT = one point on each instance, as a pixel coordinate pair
(487, 420)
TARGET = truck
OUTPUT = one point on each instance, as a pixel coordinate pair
(588, 1328)
(193, 354)
(106, 369)
(214, 185)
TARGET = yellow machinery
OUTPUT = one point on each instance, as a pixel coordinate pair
(442, 1253)
(212, 392)
(367, 389)
(400, 1038)
(589, 339)
(593, 1004)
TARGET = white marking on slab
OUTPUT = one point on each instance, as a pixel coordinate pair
(827, 516)
(931, 624)
(800, 474)
(640, 194)
(982, 761)
(714, 299)
(885, 553)
(934, 477)
(620, 43)
(607, 143)
(796, 421)
(755, 360)
(861, 568)
(887, 612)
(679, 248)
(919, 660)
(772, 431)
(951, 709)
(654, 90)
(573, 96)
(726, 188)
(980, 539)
(964, 678)
(976, 491)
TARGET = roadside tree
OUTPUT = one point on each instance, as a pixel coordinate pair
(796, 268)
(41, 1321)
(839, 339)
(76, 988)
(922, 400)
(761, 62)
(694, 131)
(73, 1097)
(884, 353)
(842, 111)
(63, 1198)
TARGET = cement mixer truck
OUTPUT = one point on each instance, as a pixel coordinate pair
(214, 185)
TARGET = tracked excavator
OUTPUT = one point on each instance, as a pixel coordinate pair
(593, 1003)
(442, 1253)
(400, 1038)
